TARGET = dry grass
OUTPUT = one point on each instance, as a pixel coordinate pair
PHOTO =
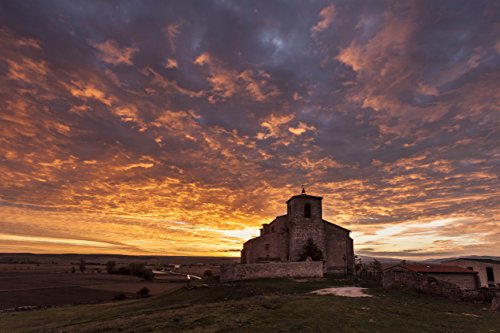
(263, 306)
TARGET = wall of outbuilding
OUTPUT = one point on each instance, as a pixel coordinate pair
(479, 267)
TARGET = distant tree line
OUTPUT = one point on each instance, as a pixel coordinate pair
(136, 269)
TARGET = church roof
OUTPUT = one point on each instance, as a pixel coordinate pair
(305, 196)
(336, 225)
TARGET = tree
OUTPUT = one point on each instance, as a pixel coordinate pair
(110, 267)
(310, 250)
(376, 265)
(358, 264)
(81, 266)
(136, 268)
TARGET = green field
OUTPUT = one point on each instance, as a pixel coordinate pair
(263, 306)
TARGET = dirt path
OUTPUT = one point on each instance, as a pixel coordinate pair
(342, 291)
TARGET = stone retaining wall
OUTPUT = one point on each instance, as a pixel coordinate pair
(428, 284)
(237, 272)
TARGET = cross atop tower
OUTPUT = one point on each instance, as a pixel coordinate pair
(303, 190)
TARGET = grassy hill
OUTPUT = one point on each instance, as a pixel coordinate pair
(263, 306)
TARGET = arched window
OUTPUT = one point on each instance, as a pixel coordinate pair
(307, 211)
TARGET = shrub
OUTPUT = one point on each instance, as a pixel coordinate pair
(311, 250)
(143, 292)
(110, 267)
(124, 270)
(136, 269)
(376, 265)
(81, 266)
(147, 274)
(120, 297)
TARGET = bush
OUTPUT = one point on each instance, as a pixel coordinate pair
(208, 273)
(144, 292)
(311, 250)
(124, 270)
(136, 269)
(147, 274)
(120, 297)
(110, 267)
(82, 266)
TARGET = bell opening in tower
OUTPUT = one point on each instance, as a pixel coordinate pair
(307, 211)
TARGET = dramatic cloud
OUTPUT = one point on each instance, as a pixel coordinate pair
(111, 53)
(178, 128)
(326, 15)
(226, 82)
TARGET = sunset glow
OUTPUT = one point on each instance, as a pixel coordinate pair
(179, 127)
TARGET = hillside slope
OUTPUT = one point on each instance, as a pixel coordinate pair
(263, 306)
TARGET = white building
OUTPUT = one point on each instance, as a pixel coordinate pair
(488, 269)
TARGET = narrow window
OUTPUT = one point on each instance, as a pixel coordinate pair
(267, 247)
(307, 211)
(489, 274)
(470, 268)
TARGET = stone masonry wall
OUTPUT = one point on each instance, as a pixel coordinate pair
(428, 284)
(466, 281)
(237, 272)
(268, 247)
(339, 250)
(301, 228)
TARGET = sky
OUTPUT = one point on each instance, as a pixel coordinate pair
(179, 127)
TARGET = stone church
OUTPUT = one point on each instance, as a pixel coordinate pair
(285, 239)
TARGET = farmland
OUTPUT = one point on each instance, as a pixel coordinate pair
(44, 281)
(281, 305)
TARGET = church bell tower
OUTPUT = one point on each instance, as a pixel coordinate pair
(305, 222)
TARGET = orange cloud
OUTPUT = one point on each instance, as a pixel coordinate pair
(171, 31)
(169, 86)
(88, 91)
(111, 53)
(274, 124)
(327, 14)
(227, 82)
(171, 63)
(301, 128)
